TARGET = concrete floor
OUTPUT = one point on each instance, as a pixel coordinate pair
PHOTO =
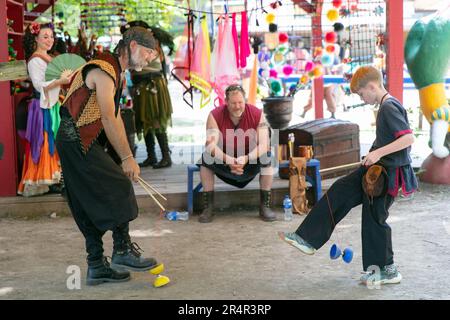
(237, 256)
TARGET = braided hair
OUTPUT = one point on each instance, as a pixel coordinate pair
(29, 38)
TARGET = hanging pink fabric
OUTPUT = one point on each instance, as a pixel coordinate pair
(235, 38)
(200, 76)
(226, 71)
(245, 45)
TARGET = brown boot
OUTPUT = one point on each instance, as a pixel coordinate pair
(264, 206)
(208, 204)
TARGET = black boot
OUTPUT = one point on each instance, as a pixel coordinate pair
(264, 206)
(164, 145)
(208, 206)
(100, 271)
(151, 155)
(126, 254)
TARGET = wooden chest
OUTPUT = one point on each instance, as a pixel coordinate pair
(335, 142)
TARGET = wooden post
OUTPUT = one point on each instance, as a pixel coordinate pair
(8, 156)
(394, 54)
(317, 84)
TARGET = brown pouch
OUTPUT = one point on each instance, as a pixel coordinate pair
(374, 182)
(297, 184)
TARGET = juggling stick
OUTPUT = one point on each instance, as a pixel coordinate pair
(150, 194)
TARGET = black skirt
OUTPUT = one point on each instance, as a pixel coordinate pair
(97, 186)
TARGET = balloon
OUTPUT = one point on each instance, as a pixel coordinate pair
(330, 37)
(327, 60)
(283, 37)
(317, 51)
(337, 3)
(273, 27)
(273, 73)
(260, 71)
(330, 48)
(287, 70)
(282, 48)
(270, 18)
(309, 66)
(304, 79)
(275, 86)
(317, 71)
(278, 58)
(332, 15)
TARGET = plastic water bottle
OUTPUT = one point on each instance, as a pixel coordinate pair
(287, 205)
(177, 215)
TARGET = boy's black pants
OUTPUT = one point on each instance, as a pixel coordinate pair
(345, 194)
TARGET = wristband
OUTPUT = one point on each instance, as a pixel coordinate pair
(127, 157)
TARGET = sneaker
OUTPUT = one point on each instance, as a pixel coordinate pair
(388, 275)
(295, 240)
(403, 197)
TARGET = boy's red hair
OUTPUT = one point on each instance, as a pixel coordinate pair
(363, 76)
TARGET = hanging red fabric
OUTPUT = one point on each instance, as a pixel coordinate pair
(235, 38)
(245, 45)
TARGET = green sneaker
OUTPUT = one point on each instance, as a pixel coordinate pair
(295, 240)
(388, 275)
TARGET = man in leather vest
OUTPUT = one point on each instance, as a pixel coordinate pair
(99, 191)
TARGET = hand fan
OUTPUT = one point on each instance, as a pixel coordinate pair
(61, 63)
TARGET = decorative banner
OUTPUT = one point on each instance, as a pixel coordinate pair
(92, 12)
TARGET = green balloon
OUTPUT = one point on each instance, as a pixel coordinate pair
(275, 86)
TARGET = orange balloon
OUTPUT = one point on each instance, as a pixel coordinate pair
(330, 48)
(332, 15)
(318, 71)
(304, 79)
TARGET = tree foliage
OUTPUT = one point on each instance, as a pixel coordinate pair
(154, 13)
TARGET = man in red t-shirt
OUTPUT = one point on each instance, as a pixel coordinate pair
(237, 149)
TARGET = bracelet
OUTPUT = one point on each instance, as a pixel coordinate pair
(127, 157)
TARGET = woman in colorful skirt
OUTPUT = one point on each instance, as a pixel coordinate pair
(41, 168)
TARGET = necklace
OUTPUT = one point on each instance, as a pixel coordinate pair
(382, 99)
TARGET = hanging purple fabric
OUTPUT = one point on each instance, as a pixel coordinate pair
(245, 45)
(35, 129)
(235, 38)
